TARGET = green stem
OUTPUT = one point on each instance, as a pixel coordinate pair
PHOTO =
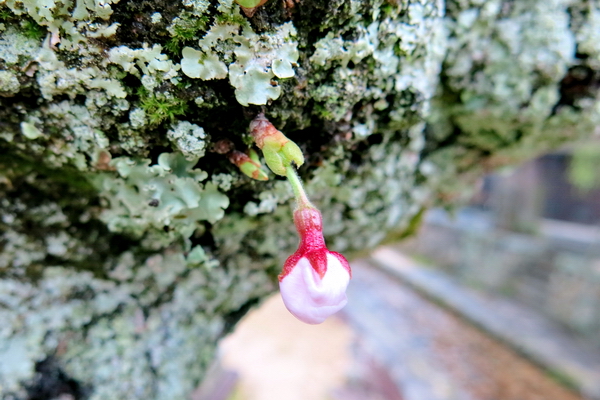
(299, 193)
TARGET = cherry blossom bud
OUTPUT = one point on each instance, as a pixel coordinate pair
(279, 151)
(314, 280)
(248, 164)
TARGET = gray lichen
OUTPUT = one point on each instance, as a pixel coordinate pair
(510, 83)
(189, 139)
(129, 245)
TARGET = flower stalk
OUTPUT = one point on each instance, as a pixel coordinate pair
(313, 280)
(302, 200)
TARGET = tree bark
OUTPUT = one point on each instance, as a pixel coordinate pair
(130, 244)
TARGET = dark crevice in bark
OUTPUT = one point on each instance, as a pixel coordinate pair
(580, 82)
(136, 24)
(51, 382)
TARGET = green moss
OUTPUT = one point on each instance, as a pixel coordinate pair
(183, 30)
(161, 107)
(32, 30)
(234, 18)
(5, 14)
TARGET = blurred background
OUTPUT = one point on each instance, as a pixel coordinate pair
(498, 300)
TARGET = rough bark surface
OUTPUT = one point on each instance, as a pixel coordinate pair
(130, 245)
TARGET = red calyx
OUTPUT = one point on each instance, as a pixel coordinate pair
(309, 224)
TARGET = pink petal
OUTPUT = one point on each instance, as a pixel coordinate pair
(310, 298)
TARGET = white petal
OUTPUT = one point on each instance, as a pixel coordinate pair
(310, 298)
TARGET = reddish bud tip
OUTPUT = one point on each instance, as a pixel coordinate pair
(261, 128)
(247, 165)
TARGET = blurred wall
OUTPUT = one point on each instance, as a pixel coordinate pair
(529, 235)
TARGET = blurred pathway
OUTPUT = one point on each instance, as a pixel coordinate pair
(431, 353)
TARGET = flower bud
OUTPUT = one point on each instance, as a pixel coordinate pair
(314, 280)
(279, 151)
(247, 165)
(311, 297)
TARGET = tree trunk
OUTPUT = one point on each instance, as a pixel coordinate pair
(130, 244)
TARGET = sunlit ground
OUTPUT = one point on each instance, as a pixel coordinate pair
(280, 358)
